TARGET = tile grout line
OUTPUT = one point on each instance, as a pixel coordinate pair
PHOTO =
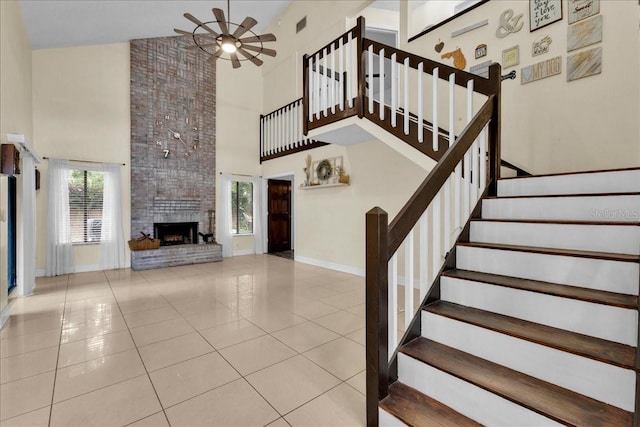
(55, 373)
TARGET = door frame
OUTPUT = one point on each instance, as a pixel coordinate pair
(285, 176)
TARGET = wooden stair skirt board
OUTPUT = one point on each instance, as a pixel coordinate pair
(537, 323)
(171, 256)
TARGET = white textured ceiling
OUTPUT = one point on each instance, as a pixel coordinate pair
(64, 23)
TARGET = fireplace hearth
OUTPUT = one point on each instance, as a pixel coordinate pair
(176, 233)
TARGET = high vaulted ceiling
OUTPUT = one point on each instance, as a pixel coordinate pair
(65, 23)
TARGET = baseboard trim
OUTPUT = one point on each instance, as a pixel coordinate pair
(330, 265)
(4, 315)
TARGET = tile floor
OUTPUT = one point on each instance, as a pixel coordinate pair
(251, 341)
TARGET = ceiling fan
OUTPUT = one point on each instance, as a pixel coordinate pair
(227, 42)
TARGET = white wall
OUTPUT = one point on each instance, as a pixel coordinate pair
(15, 100)
(553, 125)
(81, 111)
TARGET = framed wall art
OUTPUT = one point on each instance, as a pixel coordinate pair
(511, 57)
(543, 13)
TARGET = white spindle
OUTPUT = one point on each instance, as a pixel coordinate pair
(452, 108)
(291, 130)
(475, 172)
(423, 260)
(408, 280)
(406, 96)
(420, 99)
(278, 131)
(369, 81)
(394, 89)
(447, 215)
(332, 79)
(381, 82)
(483, 158)
(457, 220)
(311, 88)
(350, 73)
(393, 304)
(325, 83)
(434, 130)
(467, 184)
(318, 90)
(437, 225)
(341, 94)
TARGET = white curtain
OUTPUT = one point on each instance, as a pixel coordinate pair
(112, 253)
(258, 233)
(27, 254)
(59, 247)
(224, 225)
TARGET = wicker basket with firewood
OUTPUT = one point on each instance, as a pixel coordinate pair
(144, 243)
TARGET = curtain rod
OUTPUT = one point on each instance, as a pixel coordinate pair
(243, 174)
(86, 161)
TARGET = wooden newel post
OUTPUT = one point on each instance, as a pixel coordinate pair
(494, 130)
(377, 294)
(359, 33)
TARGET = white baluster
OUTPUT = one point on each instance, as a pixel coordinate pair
(332, 79)
(423, 260)
(325, 82)
(467, 183)
(393, 304)
(350, 74)
(262, 139)
(406, 96)
(408, 280)
(435, 108)
(475, 172)
(311, 89)
(483, 158)
(420, 103)
(452, 108)
(318, 89)
(447, 215)
(381, 83)
(437, 225)
(341, 74)
(369, 80)
(290, 131)
(394, 89)
(458, 198)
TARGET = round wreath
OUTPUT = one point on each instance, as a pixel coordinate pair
(324, 170)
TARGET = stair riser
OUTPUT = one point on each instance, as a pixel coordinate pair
(385, 419)
(620, 239)
(614, 276)
(596, 320)
(601, 381)
(586, 208)
(588, 183)
(465, 398)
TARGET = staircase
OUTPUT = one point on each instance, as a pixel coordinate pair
(537, 322)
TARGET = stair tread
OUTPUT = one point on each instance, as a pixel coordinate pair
(555, 251)
(417, 409)
(556, 196)
(545, 398)
(566, 291)
(583, 345)
(570, 173)
(558, 221)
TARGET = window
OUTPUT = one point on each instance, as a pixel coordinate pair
(85, 205)
(241, 207)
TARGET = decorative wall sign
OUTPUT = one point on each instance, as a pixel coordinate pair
(439, 46)
(470, 28)
(459, 61)
(543, 13)
(584, 33)
(481, 69)
(584, 64)
(581, 9)
(541, 70)
(511, 57)
(481, 50)
(509, 24)
(541, 45)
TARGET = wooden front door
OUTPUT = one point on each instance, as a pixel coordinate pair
(279, 219)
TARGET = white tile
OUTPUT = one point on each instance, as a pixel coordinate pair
(341, 322)
(28, 364)
(37, 418)
(174, 350)
(160, 331)
(22, 396)
(305, 336)
(231, 333)
(342, 357)
(256, 354)
(94, 348)
(341, 406)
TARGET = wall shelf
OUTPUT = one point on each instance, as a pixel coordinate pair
(313, 187)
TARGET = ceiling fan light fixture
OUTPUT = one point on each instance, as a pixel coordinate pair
(228, 44)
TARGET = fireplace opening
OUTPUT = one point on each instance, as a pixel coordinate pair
(176, 233)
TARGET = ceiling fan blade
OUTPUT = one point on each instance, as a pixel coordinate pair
(246, 25)
(222, 22)
(196, 21)
(234, 60)
(201, 46)
(183, 32)
(215, 56)
(264, 50)
(256, 61)
(261, 38)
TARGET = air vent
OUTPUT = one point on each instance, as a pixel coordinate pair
(301, 24)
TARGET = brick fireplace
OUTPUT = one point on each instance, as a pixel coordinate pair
(172, 178)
